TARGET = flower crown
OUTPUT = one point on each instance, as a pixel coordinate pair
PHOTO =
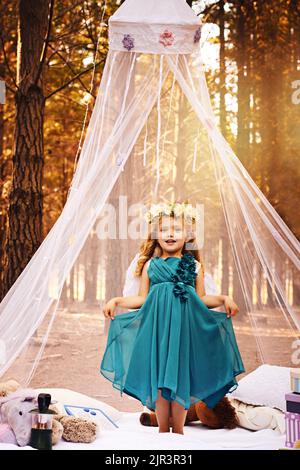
(176, 210)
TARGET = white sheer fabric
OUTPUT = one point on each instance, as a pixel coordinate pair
(156, 110)
(138, 26)
(117, 120)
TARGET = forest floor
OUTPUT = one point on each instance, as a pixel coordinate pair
(73, 353)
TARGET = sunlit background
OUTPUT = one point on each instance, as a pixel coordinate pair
(251, 54)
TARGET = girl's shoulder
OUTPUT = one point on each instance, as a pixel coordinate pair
(147, 264)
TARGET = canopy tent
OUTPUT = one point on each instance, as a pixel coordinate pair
(152, 137)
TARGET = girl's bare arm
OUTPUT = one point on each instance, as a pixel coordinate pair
(213, 301)
(132, 301)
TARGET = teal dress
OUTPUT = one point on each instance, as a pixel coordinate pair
(174, 342)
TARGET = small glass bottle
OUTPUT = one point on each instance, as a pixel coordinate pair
(42, 420)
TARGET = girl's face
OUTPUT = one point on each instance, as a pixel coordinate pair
(171, 234)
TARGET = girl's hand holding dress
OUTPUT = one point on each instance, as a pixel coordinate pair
(230, 306)
(132, 302)
(109, 308)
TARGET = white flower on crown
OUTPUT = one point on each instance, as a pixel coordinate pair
(166, 209)
(156, 209)
(190, 211)
(176, 209)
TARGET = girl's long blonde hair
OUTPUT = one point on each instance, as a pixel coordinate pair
(151, 247)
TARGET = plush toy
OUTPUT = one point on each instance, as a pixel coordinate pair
(71, 428)
(8, 387)
(229, 413)
(16, 421)
(14, 411)
(6, 434)
(78, 429)
(257, 417)
(223, 415)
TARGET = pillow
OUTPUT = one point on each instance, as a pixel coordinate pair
(255, 417)
(265, 386)
(69, 397)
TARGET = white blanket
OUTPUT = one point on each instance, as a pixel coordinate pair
(133, 436)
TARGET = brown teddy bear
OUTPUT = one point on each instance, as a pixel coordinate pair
(223, 415)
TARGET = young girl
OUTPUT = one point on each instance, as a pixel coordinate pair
(173, 351)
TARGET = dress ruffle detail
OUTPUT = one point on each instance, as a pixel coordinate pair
(185, 275)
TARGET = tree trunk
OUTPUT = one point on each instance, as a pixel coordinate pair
(3, 199)
(91, 269)
(225, 265)
(72, 284)
(180, 180)
(26, 198)
(223, 125)
(242, 144)
(238, 294)
(222, 69)
(3, 175)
